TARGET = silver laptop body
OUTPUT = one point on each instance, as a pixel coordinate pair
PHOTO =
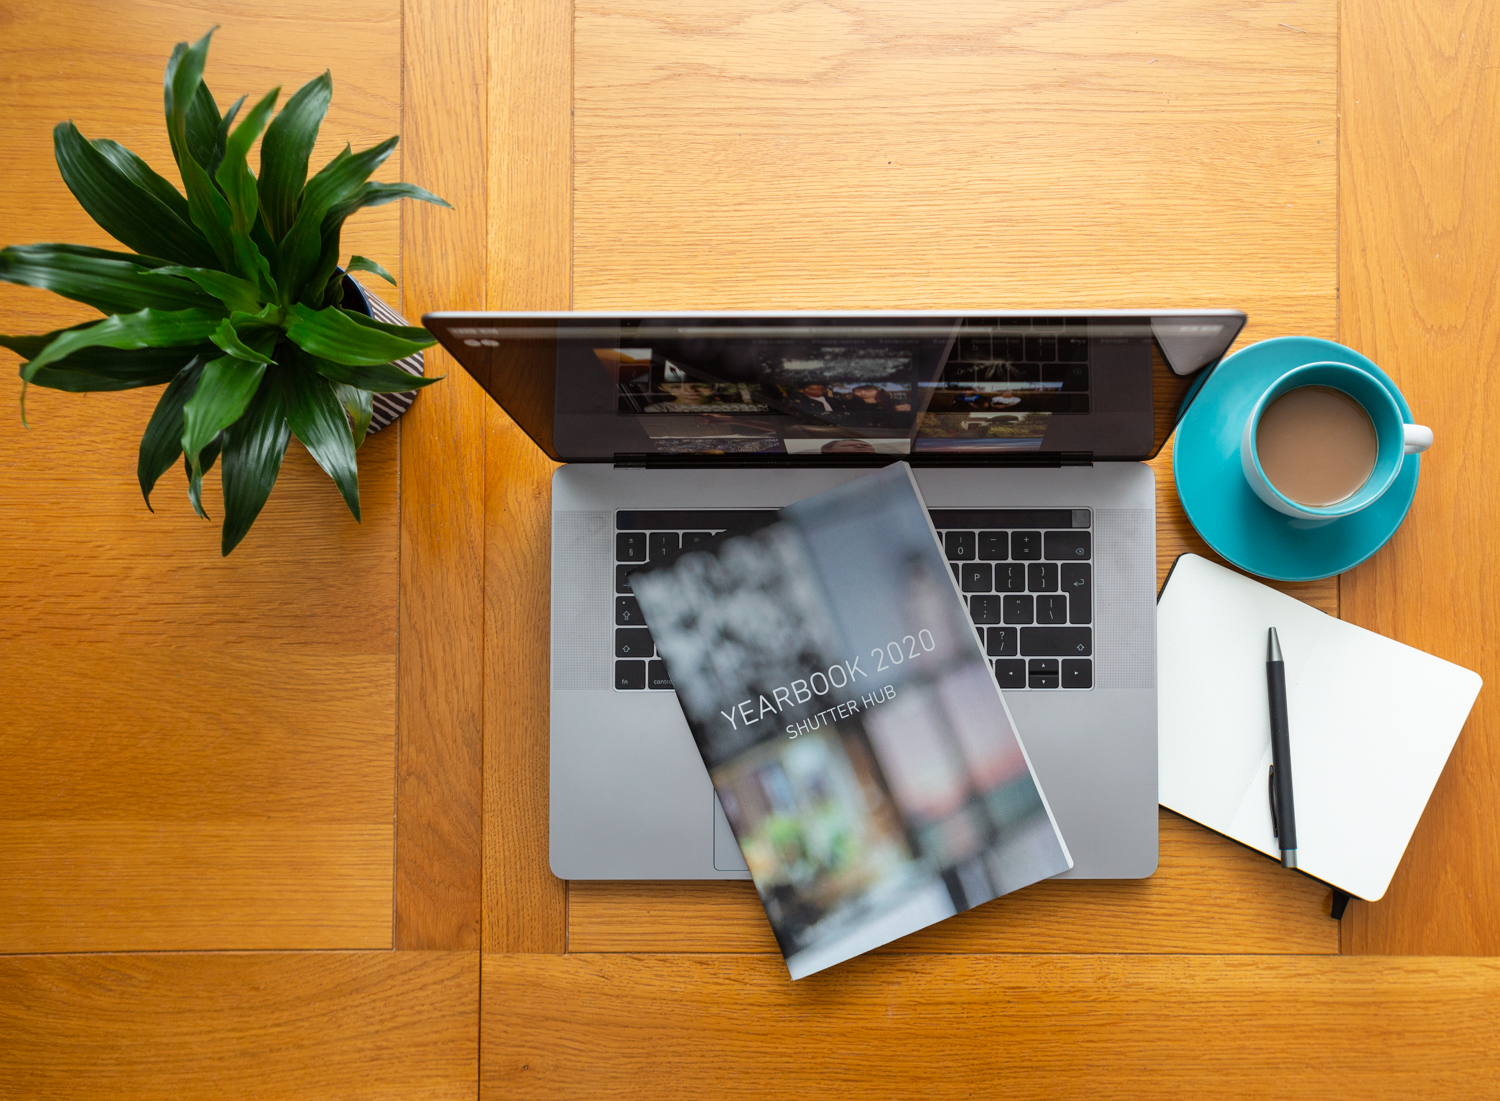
(629, 795)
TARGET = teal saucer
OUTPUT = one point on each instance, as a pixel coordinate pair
(1220, 503)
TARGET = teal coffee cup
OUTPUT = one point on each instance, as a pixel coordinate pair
(1305, 457)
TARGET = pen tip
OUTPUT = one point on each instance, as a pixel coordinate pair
(1273, 646)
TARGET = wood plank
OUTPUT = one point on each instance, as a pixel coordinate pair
(1210, 895)
(1420, 280)
(314, 1025)
(974, 1026)
(439, 774)
(530, 268)
(756, 154)
(197, 797)
(197, 748)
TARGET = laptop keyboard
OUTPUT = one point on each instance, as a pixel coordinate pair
(1027, 576)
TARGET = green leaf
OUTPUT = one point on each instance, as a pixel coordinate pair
(238, 184)
(332, 187)
(142, 175)
(223, 394)
(229, 340)
(143, 329)
(405, 332)
(360, 263)
(225, 124)
(82, 382)
(161, 443)
(195, 477)
(109, 282)
(193, 134)
(382, 378)
(128, 212)
(253, 448)
(284, 152)
(359, 405)
(378, 194)
(102, 361)
(234, 292)
(334, 334)
(317, 419)
(322, 287)
(205, 126)
(180, 88)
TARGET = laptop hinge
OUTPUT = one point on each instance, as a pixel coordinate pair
(724, 462)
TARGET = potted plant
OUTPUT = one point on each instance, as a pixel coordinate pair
(232, 295)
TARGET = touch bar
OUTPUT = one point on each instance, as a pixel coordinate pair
(973, 519)
(692, 519)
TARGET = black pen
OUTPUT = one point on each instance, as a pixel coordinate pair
(1283, 813)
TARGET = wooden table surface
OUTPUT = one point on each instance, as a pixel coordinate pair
(275, 825)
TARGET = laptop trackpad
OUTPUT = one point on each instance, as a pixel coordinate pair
(727, 855)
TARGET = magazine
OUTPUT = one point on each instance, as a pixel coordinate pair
(861, 749)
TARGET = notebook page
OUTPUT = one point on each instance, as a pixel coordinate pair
(1372, 723)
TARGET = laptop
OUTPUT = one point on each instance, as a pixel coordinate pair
(1026, 432)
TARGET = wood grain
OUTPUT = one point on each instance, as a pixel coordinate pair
(530, 268)
(439, 775)
(1051, 153)
(197, 749)
(305, 1025)
(1420, 277)
(1209, 895)
(978, 1026)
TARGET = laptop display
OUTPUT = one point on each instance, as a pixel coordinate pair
(848, 389)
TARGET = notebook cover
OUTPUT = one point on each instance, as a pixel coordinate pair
(1371, 721)
(849, 720)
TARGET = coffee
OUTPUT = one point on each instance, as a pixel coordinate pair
(1317, 445)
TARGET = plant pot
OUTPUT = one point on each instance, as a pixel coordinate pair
(387, 407)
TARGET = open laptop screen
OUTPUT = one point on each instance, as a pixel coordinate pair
(998, 388)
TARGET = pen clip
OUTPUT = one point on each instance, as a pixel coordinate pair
(1275, 809)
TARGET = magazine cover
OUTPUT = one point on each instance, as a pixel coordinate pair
(850, 723)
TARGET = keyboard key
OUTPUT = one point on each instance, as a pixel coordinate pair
(630, 675)
(1056, 641)
(1067, 546)
(656, 676)
(1073, 349)
(1018, 609)
(633, 642)
(1041, 577)
(630, 546)
(976, 577)
(1010, 577)
(954, 567)
(693, 538)
(1041, 349)
(1008, 348)
(1052, 608)
(959, 545)
(1001, 642)
(622, 577)
(1010, 674)
(1026, 546)
(663, 543)
(1042, 673)
(1077, 582)
(1078, 673)
(628, 612)
(994, 546)
(984, 609)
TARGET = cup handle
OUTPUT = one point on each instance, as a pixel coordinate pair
(1418, 438)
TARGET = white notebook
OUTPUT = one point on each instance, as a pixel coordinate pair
(1371, 721)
